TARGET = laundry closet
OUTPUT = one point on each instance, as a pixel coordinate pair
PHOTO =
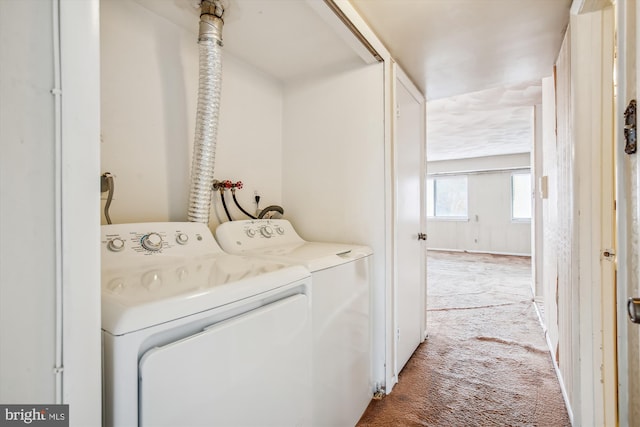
(301, 119)
(306, 122)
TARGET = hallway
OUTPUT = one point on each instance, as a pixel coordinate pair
(485, 361)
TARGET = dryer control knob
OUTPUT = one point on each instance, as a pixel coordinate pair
(266, 231)
(116, 244)
(279, 230)
(152, 242)
(251, 232)
(182, 238)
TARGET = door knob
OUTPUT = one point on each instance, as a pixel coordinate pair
(422, 236)
(633, 306)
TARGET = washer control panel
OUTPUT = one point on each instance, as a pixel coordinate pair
(124, 242)
(237, 236)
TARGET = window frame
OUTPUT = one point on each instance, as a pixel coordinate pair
(513, 217)
(432, 183)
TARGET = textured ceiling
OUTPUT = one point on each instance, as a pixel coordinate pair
(470, 58)
(490, 122)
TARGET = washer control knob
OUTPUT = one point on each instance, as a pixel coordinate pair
(266, 231)
(152, 242)
(279, 230)
(116, 244)
(251, 233)
(182, 238)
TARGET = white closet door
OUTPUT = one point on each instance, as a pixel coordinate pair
(411, 286)
(250, 370)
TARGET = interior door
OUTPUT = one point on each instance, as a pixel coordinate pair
(628, 287)
(628, 218)
(633, 335)
(629, 372)
(411, 262)
(605, 152)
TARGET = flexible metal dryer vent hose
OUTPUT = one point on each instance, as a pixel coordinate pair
(208, 111)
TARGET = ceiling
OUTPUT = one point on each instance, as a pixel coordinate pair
(286, 39)
(479, 62)
(490, 122)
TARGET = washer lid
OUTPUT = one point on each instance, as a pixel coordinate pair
(133, 299)
(277, 239)
(314, 255)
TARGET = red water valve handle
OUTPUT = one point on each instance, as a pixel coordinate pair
(227, 184)
(238, 185)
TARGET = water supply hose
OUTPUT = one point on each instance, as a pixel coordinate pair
(208, 111)
(235, 200)
(224, 204)
(108, 178)
(272, 208)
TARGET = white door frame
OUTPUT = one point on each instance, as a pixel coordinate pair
(383, 372)
(592, 111)
(400, 77)
(79, 206)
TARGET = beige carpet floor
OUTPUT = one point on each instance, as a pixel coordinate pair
(485, 362)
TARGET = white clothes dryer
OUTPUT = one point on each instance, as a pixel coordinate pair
(196, 337)
(342, 378)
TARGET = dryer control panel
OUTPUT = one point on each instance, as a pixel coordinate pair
(130, 243)
(235, 236)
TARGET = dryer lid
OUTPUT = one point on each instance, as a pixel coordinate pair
(137, 298)
(314, 255)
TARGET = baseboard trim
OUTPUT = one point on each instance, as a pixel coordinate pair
(479, 252)
(556, 368)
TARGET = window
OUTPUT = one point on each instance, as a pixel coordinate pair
(521, 196)
(447, 197)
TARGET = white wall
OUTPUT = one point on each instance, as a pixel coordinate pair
(536, 226)
(149, 77)
(550, 215)
(49, 250)
(333, 176)
(489, 227)
(333, 159)
(578, 219)
(27, 207)
(592, 38)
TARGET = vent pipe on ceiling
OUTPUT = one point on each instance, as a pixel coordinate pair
(208, 111)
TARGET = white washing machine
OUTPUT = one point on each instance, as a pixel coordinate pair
(196, 337)
(342, 386)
